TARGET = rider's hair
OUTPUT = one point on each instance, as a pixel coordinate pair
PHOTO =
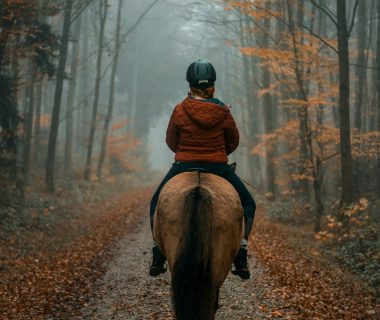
(204, 93)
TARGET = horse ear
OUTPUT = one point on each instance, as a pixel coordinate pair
(233, 166)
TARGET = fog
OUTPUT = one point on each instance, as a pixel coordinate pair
(158, 53)
(90, 86)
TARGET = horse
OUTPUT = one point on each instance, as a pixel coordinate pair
(198, 225)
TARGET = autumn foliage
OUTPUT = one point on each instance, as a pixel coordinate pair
(57, 272)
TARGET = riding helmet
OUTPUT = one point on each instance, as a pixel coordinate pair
(201, 74)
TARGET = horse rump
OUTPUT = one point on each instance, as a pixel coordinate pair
(194, 293)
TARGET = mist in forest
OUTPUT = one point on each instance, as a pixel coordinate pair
(87, 88)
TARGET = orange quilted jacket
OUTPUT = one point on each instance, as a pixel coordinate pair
(202, 130)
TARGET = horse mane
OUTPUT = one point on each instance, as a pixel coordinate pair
(193, 290)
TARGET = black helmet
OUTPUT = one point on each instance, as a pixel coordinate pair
(201, 74)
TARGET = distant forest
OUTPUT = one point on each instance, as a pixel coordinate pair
(302, 76)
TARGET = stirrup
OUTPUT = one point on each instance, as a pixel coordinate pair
(243, 273)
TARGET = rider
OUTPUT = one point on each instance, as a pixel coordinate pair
(202, 132)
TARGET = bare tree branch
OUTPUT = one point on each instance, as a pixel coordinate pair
(364, 66)
(78, 11)
(326, 12)
(139, 20)
(321, 39)
(88, 95)
(352, 18)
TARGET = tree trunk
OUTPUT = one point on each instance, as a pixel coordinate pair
(268, 111)
(50, 160)
(361, 84)
(378, 65)
(378, 91)
(103, 8)
(302, 109)
(38, 104)
(108, 119)
(344, 104)
(71, 99)
(248, 90)
(37, 124)
(361, 72)
(318, 181)
(83, 112)
(29, 120)
(255, 125)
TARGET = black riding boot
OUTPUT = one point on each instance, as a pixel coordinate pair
(157, 266)
(241, 264)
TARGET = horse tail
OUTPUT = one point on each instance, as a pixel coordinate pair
(194, 295)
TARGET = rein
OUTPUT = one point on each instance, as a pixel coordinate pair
(233, 167)
(263, 194)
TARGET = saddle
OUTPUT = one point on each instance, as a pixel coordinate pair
(195, 169)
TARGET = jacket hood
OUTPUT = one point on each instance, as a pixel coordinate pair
(205, 113)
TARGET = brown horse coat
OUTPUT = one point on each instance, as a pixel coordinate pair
(227, 220)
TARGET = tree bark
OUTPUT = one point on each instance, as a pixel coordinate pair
(255, 126)
(29, 120)
(111, 101)
(71, 99)
(50, 160)
(37, 124)
(38, 103)
(361, 88)
(378, 91)
(318, 181)
(361, 72)
(103, 8)
(268, 111)
(378, 64)
(304, 133)
(83, 112)
(344, 104)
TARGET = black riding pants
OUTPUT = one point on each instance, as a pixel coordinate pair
(220, 169)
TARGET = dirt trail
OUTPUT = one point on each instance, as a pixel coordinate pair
(128, 292)
(286, 283)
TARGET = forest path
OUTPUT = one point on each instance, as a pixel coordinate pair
(92, 263)
(127, 291)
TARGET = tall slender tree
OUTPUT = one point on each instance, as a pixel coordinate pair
(344, 103)
(111, 100)
(69, 138)
(377, 86)
(50, 160)
(269, 122)
(103, 11)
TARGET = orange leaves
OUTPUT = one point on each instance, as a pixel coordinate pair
(309, 285)
(323, 235)
(255, 9)
(119, 133)
(120, 124)
(55, 280)
(365, 145)
(348, 224)
(229, 43)
(266, 53)
(45, 120)
(120, 144)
